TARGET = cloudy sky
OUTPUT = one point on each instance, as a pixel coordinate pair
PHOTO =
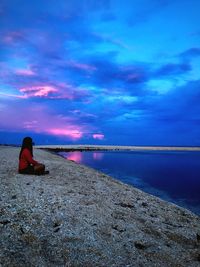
(100, 71)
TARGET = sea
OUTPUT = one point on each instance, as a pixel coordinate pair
(172, 176)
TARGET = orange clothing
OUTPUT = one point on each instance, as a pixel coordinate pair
(26, 159)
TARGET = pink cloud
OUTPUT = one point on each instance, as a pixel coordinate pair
(62, 126)
(38, 91)
(73, 133)
(40, 119)
(55, 91)
(34, 89)
(98, 136)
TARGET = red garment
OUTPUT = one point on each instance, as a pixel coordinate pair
(26, 159)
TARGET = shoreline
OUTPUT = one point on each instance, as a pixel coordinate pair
(153, 190)
(76, 216)
(115, 148)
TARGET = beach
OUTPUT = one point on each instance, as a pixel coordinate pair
(76, 216)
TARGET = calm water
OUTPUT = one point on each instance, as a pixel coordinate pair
(173, 176)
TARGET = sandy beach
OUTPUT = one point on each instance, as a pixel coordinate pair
(76, 216)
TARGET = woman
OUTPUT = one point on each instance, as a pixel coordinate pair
(27, 165)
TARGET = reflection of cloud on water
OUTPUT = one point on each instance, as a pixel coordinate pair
(75, 156)
(97, 156)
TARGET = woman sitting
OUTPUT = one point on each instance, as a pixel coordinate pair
(27, 165)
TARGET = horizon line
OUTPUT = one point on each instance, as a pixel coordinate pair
(118, 147)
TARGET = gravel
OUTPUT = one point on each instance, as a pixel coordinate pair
(76, 216)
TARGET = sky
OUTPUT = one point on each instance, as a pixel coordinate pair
(100, 72)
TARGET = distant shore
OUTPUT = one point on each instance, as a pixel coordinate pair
(116, 148)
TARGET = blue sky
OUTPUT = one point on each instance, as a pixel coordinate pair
(100, 72)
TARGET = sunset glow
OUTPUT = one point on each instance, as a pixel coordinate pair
(62, 132)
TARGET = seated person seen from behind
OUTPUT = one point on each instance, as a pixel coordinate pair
(27, 165)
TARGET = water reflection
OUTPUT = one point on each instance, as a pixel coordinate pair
(75, 156)
(97, 155)
(173, 176)
(79, 157)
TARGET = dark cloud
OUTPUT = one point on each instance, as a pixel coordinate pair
(172, 69)
(51, 42)
(169, 119)
(110, 74)
(49, 30)
(191, 53)
(180, 106)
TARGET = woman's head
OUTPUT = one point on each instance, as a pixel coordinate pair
(27, 143)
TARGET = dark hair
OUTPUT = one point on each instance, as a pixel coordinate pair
(27, 143)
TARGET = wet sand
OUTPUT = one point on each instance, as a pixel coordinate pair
(76, 216)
